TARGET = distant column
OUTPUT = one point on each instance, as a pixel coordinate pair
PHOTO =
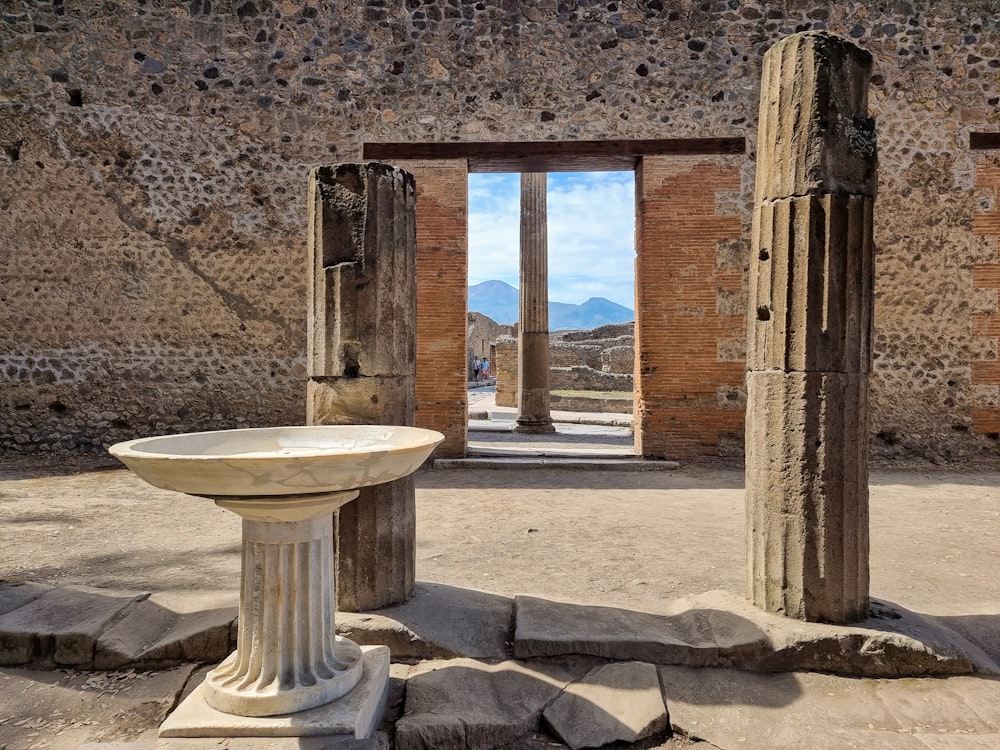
(533, 327)
(361, 352)
(809, 333)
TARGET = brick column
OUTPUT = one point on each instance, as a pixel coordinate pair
(442, 300)
(361, 341)
(688, 371)
(809, 333)
(533, 415)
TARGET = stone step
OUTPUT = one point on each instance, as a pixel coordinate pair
(550, 460)
(94, 628)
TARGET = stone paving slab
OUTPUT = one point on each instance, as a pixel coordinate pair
(735, 709)
(62, 625)
(618, 702)
(464, 703)
(378, 741)
(85, 627)
(721, 629)
(17, 594)
(439, 622)
(171, 628)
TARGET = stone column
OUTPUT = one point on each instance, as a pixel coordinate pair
(809, 332)
(533, 328)
(361, 354)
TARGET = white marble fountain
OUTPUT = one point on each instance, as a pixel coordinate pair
(290, 675)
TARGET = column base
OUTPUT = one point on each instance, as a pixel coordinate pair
(356, 714)
(533, 427)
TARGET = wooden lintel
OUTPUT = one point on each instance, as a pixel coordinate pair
(982, 141)
(553, 156)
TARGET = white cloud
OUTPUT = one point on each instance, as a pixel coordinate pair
(591, 235)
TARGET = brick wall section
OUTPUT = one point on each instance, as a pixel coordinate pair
(985, 321)
(680, 334)
(442, 300)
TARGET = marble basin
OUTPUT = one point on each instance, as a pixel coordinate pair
(270, 461)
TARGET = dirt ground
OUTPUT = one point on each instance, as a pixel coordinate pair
(616, 538)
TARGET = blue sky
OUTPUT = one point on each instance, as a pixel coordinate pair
(591, 219)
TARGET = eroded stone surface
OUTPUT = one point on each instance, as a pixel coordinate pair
(361, 335)
(462, 703)
(734, 709)
(61, 626)
(612, 703)
(721, 629)
(171, 628)
(439, 622)
(809, 328)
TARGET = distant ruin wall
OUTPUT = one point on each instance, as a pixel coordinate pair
(153, 162)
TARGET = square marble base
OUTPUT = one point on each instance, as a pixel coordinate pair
(356, 714)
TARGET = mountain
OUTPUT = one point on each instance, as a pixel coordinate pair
(499, 301)
(495, 299)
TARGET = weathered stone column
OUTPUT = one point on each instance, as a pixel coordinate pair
(362, 343)
(809, 332)
(533, 415)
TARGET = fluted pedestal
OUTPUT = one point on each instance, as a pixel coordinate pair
(288, 659)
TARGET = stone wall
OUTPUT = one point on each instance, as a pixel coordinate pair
(582, 378)
(481, 336)
(153, 162)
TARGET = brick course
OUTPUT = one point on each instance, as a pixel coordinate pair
(678, 325)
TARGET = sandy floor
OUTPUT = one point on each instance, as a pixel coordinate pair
(626, 539)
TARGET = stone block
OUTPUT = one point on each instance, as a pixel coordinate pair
(62, 626)
(722, 629)
(807, 494)
(466, 704)
(731, 709)
(168, 629)
(612, 703)
(438, 622)
(16, 594)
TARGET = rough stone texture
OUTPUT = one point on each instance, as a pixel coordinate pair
(809, 324)
(733, 709)
(168, 629)
(361, 356)
(533, 414)
(504, 364)
(587, 379)
(613, 703)
(157, 152)
(467, 705)
(811, 296)
(439, 622)
(720, 629)
(74, 617)
(588, 361)
(807, 537)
